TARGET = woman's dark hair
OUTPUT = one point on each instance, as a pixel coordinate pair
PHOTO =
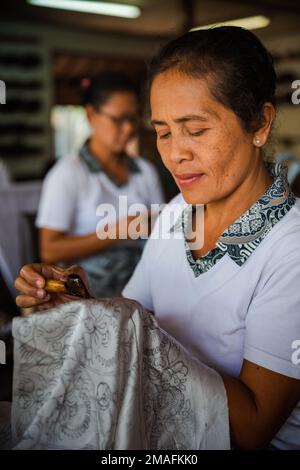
(97, 90)
(239, 69)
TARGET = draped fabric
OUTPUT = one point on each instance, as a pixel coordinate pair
(102, 375)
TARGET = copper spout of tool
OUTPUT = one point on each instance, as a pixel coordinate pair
(73, 285)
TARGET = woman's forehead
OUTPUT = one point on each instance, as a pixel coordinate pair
(177, 86)
(118, 97)
(182, 97)
(177, 77)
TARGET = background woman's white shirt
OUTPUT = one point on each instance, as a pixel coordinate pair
(72, 193)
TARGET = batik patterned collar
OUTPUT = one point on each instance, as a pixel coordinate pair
(95, 166)
(242, 237)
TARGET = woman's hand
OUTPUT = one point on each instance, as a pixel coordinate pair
(32, 280)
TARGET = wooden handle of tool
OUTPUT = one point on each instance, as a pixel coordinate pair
(52, 285)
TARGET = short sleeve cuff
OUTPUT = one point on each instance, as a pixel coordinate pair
(51, 225)
(273, 363)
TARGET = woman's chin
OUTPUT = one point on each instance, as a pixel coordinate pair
(194, 197)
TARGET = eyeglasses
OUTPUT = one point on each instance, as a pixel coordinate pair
(121, 120)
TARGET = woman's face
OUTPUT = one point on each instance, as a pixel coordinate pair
(200, 141)
(114, 124)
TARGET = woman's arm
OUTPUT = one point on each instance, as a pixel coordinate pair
(57, 246)
(259, 402)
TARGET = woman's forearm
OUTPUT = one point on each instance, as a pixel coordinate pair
(58, 247)
(260, 401)
(243, 415)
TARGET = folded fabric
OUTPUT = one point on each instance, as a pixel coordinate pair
(101, 374)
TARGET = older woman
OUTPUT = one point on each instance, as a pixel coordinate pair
(234, 300)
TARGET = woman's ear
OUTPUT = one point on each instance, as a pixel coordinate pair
(260, 137)
(90, 113)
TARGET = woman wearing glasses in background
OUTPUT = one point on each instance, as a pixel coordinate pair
(99, 174)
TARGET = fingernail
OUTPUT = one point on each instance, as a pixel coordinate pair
(41, 293)
(39, 283)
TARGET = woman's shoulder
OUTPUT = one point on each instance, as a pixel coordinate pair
(66, 168)
(296, 208)
(283, 241)
(69, 161)
(289, 225)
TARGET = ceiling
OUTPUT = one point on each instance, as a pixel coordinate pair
(70, 68)
(160, 20)
(163, 18)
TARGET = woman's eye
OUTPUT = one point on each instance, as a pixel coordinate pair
(197, 133)
(164, 136)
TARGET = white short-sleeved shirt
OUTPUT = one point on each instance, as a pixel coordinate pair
(72, 191)
(241, 302)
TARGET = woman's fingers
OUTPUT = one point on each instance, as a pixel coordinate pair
(27, 289)
(24, 301)
(31, 275)
(36, 273)
(31, 283)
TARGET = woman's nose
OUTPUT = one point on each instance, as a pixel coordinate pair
(180, 151)
(129, 127)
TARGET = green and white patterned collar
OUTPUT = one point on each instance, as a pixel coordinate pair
(95, 166)
(242, 237)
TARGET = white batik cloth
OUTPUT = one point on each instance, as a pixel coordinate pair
(103, 375)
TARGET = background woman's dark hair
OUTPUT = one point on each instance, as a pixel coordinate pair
(239, 69)
(97, 90)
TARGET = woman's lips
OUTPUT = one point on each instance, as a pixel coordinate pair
(188, 178)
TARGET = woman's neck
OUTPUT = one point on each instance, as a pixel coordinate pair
(112, 163)
(101, 152)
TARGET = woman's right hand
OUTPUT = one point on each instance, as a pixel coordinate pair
(32, 280)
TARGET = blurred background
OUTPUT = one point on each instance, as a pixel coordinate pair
(46, 52)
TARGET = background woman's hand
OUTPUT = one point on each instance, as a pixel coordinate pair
(32, 280)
